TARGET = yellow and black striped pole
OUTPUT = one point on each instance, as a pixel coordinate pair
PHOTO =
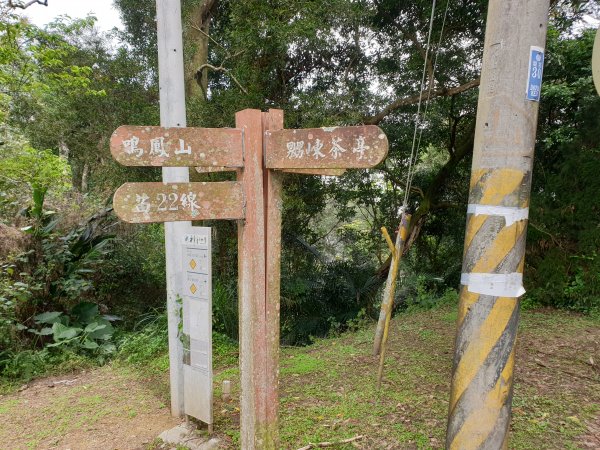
(491, 282)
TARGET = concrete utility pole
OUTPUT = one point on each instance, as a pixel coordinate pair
(172, 114)
(482, 382)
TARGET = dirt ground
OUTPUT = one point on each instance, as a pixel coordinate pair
(107, 408)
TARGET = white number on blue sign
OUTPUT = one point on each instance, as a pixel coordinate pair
(536, 69)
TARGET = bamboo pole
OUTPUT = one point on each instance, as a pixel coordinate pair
(388, 304)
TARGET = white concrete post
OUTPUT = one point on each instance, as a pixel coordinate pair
(172, 114)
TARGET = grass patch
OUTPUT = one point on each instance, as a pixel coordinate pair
(328, 390)
(301, 364)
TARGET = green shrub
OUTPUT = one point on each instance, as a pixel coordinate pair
(22, 366)
(132, 281)
(84, 329)
(147, 340)
(326, 299)
(225, 308)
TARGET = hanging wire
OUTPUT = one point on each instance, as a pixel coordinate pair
(418, 115)
(416, 144)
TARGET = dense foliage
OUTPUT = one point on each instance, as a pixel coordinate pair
(64, 88)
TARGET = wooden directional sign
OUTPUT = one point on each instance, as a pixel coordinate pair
(325, 148)
(596, 61)
(160, 202)
(177, 147)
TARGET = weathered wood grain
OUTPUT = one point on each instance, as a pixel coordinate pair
(170, 202)
(251, 285)
(326, 148)
(177, 147)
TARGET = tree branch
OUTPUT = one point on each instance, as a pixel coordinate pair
(413, 38)
(405, 101)
(13, 5)
(432, 193)
(197, 28)
(207, 9)
(224, 70)
(399, 182)
(331, 444)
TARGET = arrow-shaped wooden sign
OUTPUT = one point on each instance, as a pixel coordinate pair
(177, 147)
(160, 202)
(325, 148)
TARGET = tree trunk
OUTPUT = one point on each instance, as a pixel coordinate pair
(196, 36)
(84, 177)
(63, 150)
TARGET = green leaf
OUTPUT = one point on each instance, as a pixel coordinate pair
(108, 348)
(85, 312)
(103, 333)
(93, 327)
(90, 345)
(50, 226)
(63, 333)
(47, 317)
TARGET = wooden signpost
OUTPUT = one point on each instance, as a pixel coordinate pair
(255, 201)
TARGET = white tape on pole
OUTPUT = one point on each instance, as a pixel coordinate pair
(496, 284)
(511, 214)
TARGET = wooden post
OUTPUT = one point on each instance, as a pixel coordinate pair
(390, 290)
(272, 120)
(251, 284)
(387, 301)
(488, 312)
(172, 114)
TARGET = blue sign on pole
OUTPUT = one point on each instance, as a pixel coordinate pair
(536, 69)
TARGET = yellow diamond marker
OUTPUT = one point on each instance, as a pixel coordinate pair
(193, 263)
(193, 288)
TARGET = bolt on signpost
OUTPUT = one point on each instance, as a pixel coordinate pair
(482, 381)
